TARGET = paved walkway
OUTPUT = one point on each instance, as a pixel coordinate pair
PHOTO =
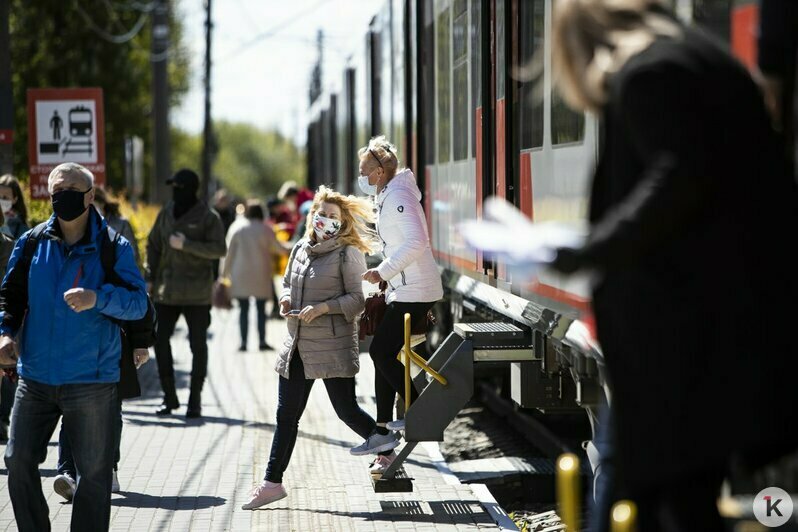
(181, 475)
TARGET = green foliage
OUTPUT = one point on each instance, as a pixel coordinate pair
(54, 45)
(250, 162)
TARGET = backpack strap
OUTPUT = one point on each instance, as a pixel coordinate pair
(32, 243)
(108, 243)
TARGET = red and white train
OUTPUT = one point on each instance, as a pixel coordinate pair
(437, 77)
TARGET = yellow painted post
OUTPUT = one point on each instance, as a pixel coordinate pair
(568, 490)
(623, 517)
(407, 362)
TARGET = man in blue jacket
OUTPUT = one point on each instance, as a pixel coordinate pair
(69, 351)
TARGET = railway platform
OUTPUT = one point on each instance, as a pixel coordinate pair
(186, 475)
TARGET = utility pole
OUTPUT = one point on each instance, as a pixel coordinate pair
(160, 107)
(6, 95)
(208, 145)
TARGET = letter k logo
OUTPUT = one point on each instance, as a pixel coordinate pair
(772, 506)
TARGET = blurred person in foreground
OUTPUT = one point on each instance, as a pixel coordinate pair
(70, 349)
(186, 239)
(691, 215)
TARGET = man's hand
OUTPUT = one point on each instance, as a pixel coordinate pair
(140, 356)
(80, 299)
(311, 312)
(177, 240)
(285, 306)
(8, 351)
(372, 276)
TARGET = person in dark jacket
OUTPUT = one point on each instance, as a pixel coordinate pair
(186, 239)
(110, 211)
(12, 203)
(70, 349)
(691, 215)
(137, 338)
(778, 61)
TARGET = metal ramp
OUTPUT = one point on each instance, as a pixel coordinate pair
(446, 385)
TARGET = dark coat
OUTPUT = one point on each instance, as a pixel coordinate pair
(692, 220)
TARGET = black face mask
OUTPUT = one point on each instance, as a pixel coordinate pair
(185, 198)
(68, 204)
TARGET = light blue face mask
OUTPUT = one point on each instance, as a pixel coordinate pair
(365, 187)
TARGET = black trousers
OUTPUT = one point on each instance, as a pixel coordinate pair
(389, 377)
(292, 399)
(198, 319)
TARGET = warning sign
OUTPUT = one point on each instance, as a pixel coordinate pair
(64, 125)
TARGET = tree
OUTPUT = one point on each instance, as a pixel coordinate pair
(92, 43)
(250, 163)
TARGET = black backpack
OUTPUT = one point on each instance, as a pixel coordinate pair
(140, 331)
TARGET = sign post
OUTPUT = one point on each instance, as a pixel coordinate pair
(64, 125)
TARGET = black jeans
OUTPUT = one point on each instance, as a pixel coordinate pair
(292, 399)
(89, 412)
(198, 318)
(243, 319)
(7, 391)
(389, 377)
(66, 461)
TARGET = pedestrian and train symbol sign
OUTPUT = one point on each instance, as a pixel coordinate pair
(64, 125)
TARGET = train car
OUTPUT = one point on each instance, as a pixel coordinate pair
(464, 89)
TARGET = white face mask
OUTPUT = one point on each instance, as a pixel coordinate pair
(325, 228)
(365, 187)
(6, 205)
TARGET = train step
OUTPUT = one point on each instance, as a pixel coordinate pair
(401, 482)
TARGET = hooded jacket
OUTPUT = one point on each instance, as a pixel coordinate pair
(327, 272)
(185, 276)
(58, 345)
(409, 267)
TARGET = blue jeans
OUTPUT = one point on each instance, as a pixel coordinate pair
(292, 399)
(89, 412)
(66, 462)
(243, 319)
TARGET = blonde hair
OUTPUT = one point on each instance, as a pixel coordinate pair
(380, 153)
(593, 39)
(356, 214)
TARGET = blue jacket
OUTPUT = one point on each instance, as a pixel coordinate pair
(57, 345)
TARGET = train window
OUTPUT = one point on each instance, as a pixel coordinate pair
(426, 92)
(460, 78)
(531, 36)
(500, 52)
(566, 125)
(715, 15)
(476, 69)
(460, 7)
(444, 87)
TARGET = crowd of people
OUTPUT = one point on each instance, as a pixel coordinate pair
(682, 235)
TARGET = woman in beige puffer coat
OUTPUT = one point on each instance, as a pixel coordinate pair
(322, 299)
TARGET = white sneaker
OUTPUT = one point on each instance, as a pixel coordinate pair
(115, 484)
(263, 494)
(399, 424)
(381, 464)
(376, 443)
(65, 486)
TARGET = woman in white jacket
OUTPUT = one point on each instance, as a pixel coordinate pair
(414, 283)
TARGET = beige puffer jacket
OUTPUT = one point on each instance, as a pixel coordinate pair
(327, 272)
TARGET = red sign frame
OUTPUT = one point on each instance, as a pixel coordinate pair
(39, 172)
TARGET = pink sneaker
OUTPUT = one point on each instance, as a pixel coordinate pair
(381, 464)
(262, 495)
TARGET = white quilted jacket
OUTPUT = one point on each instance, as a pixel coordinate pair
(409, 266)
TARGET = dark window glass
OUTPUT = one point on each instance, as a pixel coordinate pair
(715, 15)
(567, 125)
(530, 48)
(500, 63)
(460, 117)
(427, 73)
(460, 7)
(460, 38)
(476, 68)
(444, 87)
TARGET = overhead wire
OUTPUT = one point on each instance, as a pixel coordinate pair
(104, 34)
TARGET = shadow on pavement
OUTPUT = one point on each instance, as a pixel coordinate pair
(131, 499)
(445, 512)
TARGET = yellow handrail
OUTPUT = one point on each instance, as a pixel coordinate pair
(568, 491)
(412, 356)
(623, 517)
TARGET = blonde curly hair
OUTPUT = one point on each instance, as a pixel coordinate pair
(356, 214)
